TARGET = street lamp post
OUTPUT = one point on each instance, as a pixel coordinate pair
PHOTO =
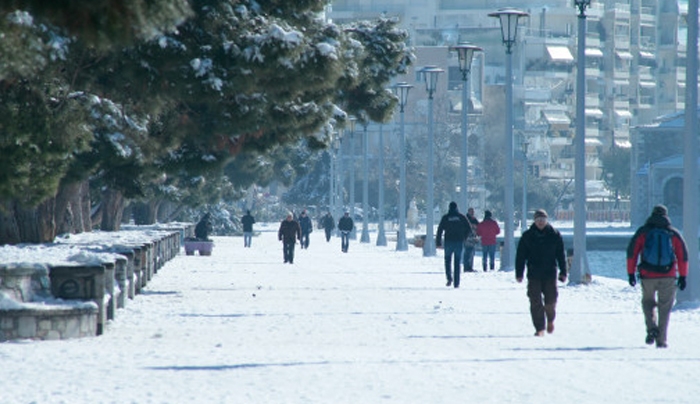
(401, 90)
(579, 264)
(353, 232)
(508, 18)
(525, 143)
(332, 165)
(364, 238)
(465, 54)
(381, 237)
(430, 76)
(341, 182)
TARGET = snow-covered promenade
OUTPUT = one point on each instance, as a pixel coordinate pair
(369, 326)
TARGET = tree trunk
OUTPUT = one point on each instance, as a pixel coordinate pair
(146, 212)
(112, 210)
(36, 224)
(68, 208)
(9, 232)
(85, 206)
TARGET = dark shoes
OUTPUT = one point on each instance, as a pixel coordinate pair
(550, 327)
(539, 333)
(449, 283)
(661, 345)
(651, 336)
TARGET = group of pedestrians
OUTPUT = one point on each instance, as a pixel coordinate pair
(463, 233)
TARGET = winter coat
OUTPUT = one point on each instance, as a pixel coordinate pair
(488, 229)
(541, 251)
(289, 231)
(456, 227)
(636, 245)
(247, 222)
(306, 225)
(327, 222)
(345, 223)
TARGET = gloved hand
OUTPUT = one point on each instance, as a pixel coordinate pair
(681, 282)
(562, 277)
(632, 280)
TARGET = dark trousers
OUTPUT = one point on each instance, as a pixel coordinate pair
(344, 240)
(453, 255)
(328, 234)
(288, 252)
(488, 254)
(543, 301)
(304, 240)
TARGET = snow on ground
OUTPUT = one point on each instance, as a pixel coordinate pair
(370, 326)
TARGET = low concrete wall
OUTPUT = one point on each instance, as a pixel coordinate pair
(69, 300)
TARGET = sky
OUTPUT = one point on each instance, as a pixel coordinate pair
(369, 326)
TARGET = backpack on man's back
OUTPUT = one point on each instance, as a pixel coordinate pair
(657, 254)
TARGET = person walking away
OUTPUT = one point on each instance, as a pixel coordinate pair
(487, 230)
(456, 228)
(540, 250)
(203, 228)
(306, 228)
(247, 220)
(664, 256)
(328, 225)
(288, 233)
(345, 225)
(470, 242)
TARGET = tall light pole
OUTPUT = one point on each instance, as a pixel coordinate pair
(525, 143)
(508, 18)
(430, 76)
(401, 90)
(352, 120)
(332, 165)
(381, 237)
(690, 157)
(364, 238)
(465, 54)
(338, 179)
(579, 264)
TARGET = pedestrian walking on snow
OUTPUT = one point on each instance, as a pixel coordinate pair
(487, 230)
(247, 220)
(328, 225)
(664, 256)
(345, 225)
(306, 228)
(540, 250)
(470, 243)
(456, 228)
(288, 234)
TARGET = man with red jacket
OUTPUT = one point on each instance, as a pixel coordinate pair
(487, 230)
(657, 282)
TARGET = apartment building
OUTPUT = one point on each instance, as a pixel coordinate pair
(634, 67)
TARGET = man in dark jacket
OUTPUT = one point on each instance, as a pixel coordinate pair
(328, 225)
(470, 242)
(345, 225)
(247, 220)
(288, 234)
(658, 281)
(541, 248)
(306, 229)
(456, 228)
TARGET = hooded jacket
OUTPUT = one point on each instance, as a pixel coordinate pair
(455, 226)
(636, 245)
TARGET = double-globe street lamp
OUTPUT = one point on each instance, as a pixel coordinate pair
(465, 54)
(508, 18)
(401, 90)
(579, 261)
(430, 76)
